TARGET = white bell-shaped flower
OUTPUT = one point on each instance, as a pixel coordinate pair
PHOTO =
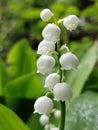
(62, 92)
(51, 33)
(46, 15)
(45, 64)
(71, 22)
(51, 80)
(44, 119)
(43, 105)
(45, 46)
(69, 61)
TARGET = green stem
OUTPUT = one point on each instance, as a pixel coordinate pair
(63, 113)
(59, 66)
(0, 86)
(62, 104)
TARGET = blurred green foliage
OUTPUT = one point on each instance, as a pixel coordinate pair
(20, 34)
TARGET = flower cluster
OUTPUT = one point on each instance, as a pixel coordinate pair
(47, 61)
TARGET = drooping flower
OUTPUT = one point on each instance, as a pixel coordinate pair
(43, 105)
(45, 64)
(45, 46)
(62, 92)
(71, 22)
(51, 80)
(51, 33)
(44, 119)
(69, 61)
(46, 15)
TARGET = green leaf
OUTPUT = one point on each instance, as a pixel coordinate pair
(91, 11)
(10, 121)
(4, 76)
(22, 59)
(78, 78)
(83, 113)
(31, 13)
(75, 47)
(27, 86)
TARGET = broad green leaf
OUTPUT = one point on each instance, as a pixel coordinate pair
(4, 76)
(21, 59)
(78, 78)
(27, 86)
(10, 121)
(83, 113)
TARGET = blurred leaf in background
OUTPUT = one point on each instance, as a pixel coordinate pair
(10, 121)
(21, 59)
(83, 112)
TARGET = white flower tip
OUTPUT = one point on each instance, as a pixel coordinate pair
(55, 99)
(37, 72)
(35, 112)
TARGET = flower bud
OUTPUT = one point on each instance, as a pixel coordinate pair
(43, 105)
(69, 61)
(46, 15)
(51, 80)
(45, 46)
(62, 91)
(71, 22)
(57, 114)
(51, 33)
(45, 64)
(44, 119)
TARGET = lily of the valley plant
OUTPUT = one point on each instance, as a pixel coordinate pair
(51, 54)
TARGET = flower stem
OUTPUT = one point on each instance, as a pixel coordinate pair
(59, 66)
(63, 112)
(62, 104)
